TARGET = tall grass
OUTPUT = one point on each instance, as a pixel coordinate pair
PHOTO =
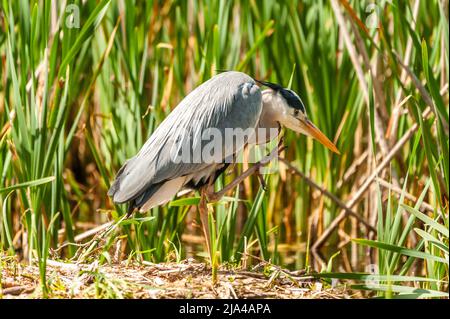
(78, 99)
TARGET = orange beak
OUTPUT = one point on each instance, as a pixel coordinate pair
(315, 133)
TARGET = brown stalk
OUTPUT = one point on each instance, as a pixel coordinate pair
(365, 186)
(391, 131)
(399, 191)
(327, 193)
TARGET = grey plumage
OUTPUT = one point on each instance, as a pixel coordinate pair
(227, 100)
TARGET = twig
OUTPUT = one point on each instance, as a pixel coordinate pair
(99, 236)
(397, 147)
(328, 194)
(17, 290)
(92, 231)
(353, 168)
(213, 197)
(278, 270)
(84, 235)
(399, 191)
(68, 266)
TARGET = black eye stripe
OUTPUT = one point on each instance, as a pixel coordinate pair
(293, 100)
(273, 86)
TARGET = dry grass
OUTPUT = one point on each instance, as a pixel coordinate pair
(188, 279)
(77, 101)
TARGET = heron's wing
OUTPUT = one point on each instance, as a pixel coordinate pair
(227, 100)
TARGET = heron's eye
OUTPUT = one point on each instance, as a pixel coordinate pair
(296, 112)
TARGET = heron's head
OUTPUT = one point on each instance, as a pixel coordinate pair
(287, 109)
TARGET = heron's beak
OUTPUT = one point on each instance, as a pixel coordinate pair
(306, 127)
(315, 133)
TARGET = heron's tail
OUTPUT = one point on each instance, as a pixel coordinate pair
(115, 186)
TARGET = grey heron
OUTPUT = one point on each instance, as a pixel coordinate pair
(229, 100)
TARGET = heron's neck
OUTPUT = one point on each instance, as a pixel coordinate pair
(271, 111)
(269, 118)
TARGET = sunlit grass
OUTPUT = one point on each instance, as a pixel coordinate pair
(76, 102)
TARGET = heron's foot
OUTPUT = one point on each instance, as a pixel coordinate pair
(214, 197)
(255, 169)
(130, 211)
(281, 147)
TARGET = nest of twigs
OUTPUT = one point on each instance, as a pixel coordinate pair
(187, 279)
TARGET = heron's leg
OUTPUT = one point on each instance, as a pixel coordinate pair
(203, 210)
(130, 211)
(216, 196)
